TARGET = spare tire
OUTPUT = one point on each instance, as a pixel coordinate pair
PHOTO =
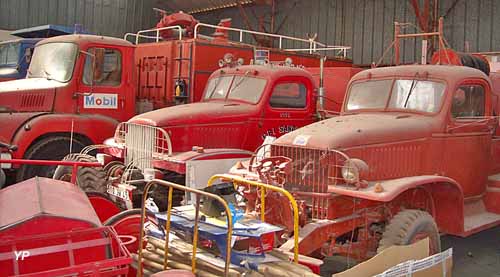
(89, 179)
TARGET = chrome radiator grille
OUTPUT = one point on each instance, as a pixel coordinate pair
(143, 144)
(312, 171)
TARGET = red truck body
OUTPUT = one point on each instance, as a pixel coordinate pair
(405, 165)
(74, 112)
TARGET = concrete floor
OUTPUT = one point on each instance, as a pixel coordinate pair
(477, 255)
(474, 256)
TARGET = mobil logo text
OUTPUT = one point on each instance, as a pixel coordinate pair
(100, 101)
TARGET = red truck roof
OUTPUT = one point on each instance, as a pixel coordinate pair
(79, 38)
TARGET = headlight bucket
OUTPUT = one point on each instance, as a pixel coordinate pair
(354, 170)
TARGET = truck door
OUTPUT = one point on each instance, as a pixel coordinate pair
(290, 106)
(103, 83)
(469, 136)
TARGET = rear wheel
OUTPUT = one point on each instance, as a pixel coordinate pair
(51, 148)
(410, 226)
(89, 179)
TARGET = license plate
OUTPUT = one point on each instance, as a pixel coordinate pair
(119, 192)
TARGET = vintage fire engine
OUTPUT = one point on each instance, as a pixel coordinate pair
(414, 153)
(79, 87)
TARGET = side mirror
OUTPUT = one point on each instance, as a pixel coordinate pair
(28, 54)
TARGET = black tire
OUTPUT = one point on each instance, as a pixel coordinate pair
(51, 148)
(404, 228)
(89, 179)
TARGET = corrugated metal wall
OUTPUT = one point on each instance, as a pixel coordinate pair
(103, 17)
(366, 25)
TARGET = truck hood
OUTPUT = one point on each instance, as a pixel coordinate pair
(196, 113)
(360, 129)
(28, 95)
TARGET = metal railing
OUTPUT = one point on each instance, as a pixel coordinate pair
(237, 180)
(171, 187)
(157, 38)
(143, 143)
(73, 164)
(313, 44)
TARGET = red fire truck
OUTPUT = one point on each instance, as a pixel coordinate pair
(79, 87)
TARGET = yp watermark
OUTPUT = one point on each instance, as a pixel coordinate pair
(21, 255)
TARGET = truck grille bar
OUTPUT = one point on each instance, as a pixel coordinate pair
(143, 144)
(313, 170)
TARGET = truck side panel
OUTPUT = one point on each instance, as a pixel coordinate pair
(95, 127)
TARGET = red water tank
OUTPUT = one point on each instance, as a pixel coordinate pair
(43, 205)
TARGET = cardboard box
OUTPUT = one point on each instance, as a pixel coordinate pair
(409, 260)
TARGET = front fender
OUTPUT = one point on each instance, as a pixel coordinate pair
(392, 188)
(97, 128)
(445, 193)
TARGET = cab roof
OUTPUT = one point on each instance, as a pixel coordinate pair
(80, 38)
(452, 73)
(268, 71)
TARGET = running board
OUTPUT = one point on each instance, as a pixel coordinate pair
(477, 218)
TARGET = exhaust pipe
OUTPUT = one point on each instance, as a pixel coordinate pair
(321, 89)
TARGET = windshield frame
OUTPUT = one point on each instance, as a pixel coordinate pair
(388, 100)
(75, 62)
(232, 82)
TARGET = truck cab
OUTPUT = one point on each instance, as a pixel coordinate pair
(15, 55)
(413, 153)
(74, 83)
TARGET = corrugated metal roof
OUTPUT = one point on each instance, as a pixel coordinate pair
(198, 6)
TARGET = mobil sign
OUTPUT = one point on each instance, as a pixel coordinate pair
(100, 101)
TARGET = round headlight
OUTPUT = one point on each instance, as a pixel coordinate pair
(352, 170)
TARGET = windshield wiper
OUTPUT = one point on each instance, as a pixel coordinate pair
(47, 75)
(213, 90)
(412, 87)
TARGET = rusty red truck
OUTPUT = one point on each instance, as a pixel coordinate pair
(79, 87)
(414, 153)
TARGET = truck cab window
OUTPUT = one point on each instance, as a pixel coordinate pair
(105, 69)
(289, 95)
(468, 101)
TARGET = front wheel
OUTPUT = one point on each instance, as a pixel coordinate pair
(410, 226)
(51, 148)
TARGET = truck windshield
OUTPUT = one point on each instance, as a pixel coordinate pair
(401, 94)
(244, 88)
(9, 53)
(54, 61)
